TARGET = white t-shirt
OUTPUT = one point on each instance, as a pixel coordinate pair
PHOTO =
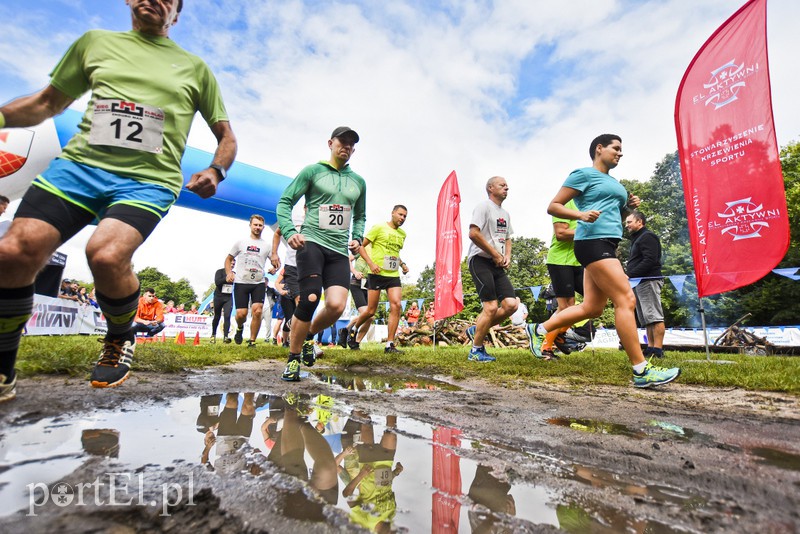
(495, 225)
(518, 318)
(291, 254)
(251, 255)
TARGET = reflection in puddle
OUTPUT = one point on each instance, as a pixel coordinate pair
(385, 383)
(777, 458)
(598, 427)
(384, 471)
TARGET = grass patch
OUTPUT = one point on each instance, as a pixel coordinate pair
(76, 355)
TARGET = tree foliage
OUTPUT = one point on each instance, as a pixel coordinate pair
(180, 291)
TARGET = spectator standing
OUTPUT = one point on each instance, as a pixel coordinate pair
(412, 314)
(645, 263)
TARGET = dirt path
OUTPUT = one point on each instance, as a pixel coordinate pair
(681, 458)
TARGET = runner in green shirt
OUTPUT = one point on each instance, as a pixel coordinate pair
(384, 263)
(122, 168)
(335, 199)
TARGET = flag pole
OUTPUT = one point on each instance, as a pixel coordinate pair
(703, 323)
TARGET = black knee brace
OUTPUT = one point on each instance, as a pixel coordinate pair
(309, 286)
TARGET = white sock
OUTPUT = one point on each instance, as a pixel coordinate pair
(389, 344)
(476, 347)
(639, 367)
(540, 330)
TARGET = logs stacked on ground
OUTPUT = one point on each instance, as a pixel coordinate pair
(453, 332)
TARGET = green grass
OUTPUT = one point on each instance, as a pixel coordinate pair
(75, 356)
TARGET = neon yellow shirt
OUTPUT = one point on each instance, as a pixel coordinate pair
(386, 245)
(563, 252)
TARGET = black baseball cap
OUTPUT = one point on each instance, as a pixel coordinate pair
(342, 130)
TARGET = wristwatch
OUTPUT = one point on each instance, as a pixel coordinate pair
(221, 172)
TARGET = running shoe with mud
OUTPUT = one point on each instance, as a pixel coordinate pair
(391, 349)
(292, 371)
(8, 388)
(239, 336)
(309, 352)
(114, 365)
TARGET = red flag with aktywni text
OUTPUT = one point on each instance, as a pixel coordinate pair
(449, 292)
(732, 180)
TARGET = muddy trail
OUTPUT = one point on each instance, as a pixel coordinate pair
(235, 449)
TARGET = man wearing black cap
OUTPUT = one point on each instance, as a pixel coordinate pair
(335, 199)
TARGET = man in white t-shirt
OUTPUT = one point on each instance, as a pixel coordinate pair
(489, 257)
(519, 316)
(250, 256)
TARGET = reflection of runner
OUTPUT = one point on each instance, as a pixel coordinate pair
(232, 434)
(489, 491)
(295, 439)
(369, 492)
(123, 168)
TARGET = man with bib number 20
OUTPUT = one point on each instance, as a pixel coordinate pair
(122, 168)
(335, 197)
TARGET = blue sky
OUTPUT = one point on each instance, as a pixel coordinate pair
(513, 88)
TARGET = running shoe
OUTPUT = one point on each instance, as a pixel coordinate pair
(213, 339)
(344, 333)
(292, 371)
(479, 354)
(548, 355)
(114, 365)
(534, 339)
(309, 352)
(8, 390)
(471, 332)
(226, 340)
(655, 376)
(352, 343)
(561, 343)
(251, 344)
(391, 349)
(238, 337)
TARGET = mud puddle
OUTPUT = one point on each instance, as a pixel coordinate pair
(380, 470)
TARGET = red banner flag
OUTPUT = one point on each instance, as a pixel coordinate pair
(449, 293)
(732, 180)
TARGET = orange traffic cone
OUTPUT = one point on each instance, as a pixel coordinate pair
(196, 339)
(180, 339)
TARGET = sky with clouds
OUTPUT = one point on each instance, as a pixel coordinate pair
(516, 88)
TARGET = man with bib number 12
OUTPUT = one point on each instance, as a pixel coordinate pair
(335, 199)
(123, 168)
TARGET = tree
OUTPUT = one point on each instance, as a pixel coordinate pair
(181, 291)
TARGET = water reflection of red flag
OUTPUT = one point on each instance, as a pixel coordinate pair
(449, 293)
(732, 181)
(446, 481)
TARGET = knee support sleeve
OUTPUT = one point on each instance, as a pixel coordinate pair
(310, 286)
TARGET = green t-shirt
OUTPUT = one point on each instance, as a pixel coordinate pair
(335, 199)
(386, 244)
(136, 68)
(563, 252)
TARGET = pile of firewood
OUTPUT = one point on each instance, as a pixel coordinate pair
(747, 342)
(454, 332)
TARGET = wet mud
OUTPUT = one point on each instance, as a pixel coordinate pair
(235, 449)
